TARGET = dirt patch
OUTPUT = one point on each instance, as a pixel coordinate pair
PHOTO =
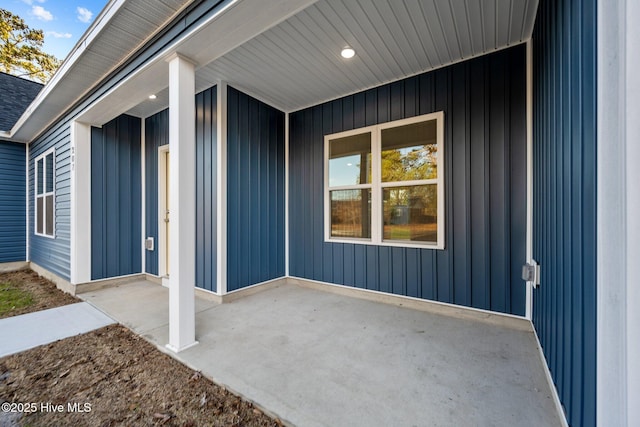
(44, 294)
(108, 377)
(112, 377)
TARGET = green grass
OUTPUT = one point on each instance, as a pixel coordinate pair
(12, 298)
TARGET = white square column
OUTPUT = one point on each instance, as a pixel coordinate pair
(182, 203)
(618, 215)
(80, 203)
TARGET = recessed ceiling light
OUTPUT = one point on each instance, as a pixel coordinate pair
(347, 52)
(152, 96)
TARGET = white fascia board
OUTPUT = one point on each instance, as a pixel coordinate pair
(156, 63)
(238, 12)
(238, 22)
(78, 50)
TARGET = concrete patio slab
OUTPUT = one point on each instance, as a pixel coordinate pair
(31, 330)
(314, 358)
(141, 306)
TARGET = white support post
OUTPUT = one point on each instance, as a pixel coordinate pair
(80, 203)
(618, 214)
(286, 194)
(182, 233)
(143, 201)
(633, 213)
(221, 185)
(27, 256)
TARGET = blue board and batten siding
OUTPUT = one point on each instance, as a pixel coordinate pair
(13, 213)
(53, 254)
(206, 189)
(564, 312)
(485, 187)
(255, 191)
(116, 194)
(156, 134)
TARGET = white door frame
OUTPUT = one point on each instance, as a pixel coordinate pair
(529, 226)
(162, 206)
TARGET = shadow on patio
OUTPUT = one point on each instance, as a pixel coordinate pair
(316, 358)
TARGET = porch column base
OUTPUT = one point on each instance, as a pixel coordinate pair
(183, 348)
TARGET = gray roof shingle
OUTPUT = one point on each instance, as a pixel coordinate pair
(15, 96)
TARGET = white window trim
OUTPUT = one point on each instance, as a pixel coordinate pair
(44, 195)
(377, 185)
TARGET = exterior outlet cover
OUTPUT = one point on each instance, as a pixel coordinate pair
(528, 273)
(148, 244)
(531, 273)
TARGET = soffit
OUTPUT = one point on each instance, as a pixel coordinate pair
(297, 63)
(287, 54)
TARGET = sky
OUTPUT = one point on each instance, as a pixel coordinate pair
(63, 21)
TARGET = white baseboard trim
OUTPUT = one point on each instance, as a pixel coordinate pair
(95, 285)
(153, 278)
(62, 284)
(253, 289)
(6, 267)
(208, 295)
(452, 310)
(240, 293)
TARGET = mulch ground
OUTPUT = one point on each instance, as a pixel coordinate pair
(110, 377)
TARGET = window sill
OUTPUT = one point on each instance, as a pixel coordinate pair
(390, 243)
(46, 236)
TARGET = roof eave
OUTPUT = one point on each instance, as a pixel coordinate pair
(98, 25)
(24, 128)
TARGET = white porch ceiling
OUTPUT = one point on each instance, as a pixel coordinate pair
(297, 63)
(284, 52)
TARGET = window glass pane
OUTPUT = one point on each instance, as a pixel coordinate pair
(39, 215)
(350, 160)
(49, 177)
(411, 213)
(49, 216)
(409, 152)
(351, 213)
(40, 176)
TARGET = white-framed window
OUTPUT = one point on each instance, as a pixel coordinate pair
(384, 184)
(45, 194)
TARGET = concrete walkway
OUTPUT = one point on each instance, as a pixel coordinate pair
(19, 333)
(314, 358)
